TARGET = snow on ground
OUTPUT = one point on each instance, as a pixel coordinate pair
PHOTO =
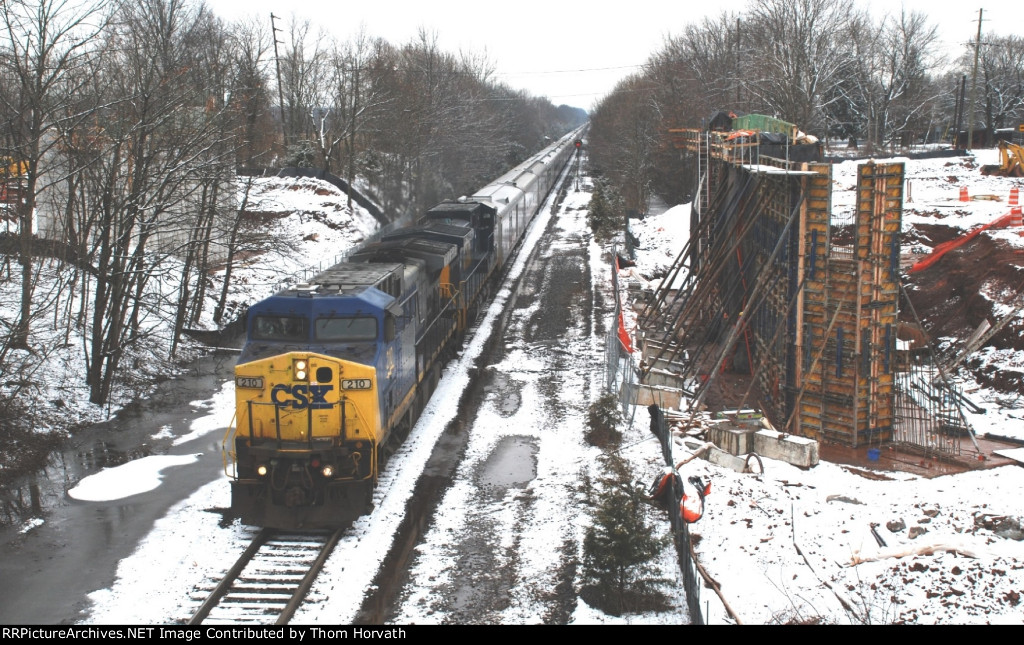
(788, 544)
(132, 478)
(315, 226)
(310, 219)
(797, 545)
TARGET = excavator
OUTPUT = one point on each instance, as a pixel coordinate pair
(1011, 157)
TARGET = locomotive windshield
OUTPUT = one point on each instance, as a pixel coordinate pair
(346, 329)
(287, 328)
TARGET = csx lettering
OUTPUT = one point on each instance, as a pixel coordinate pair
(302, 396)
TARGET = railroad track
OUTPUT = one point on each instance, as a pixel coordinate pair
(269, 581)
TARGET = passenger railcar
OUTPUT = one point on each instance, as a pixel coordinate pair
(334, 373)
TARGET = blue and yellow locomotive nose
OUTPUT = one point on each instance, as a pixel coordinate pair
(305, 439)
(301, 396)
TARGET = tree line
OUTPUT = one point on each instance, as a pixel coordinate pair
(131, 126)
(828, 66)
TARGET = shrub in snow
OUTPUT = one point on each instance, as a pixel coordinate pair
(605, 213)
(603, 420)
(620, 574)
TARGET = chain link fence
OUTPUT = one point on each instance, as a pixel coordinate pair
(620, 374)
(680, 528)
(620, 367)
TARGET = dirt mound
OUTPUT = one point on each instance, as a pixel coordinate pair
(975, 282)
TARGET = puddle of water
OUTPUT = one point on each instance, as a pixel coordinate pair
(506, 393)
(512, 464)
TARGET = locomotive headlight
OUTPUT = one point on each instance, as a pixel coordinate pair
(327, 471)
(261, 470)
(300, 369)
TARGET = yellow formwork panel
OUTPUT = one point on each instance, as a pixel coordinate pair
(858, 294)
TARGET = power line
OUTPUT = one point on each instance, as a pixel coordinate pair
(572, 71)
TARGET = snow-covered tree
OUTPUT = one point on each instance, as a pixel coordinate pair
(619, 550)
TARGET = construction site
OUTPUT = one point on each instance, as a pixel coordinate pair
(785, 320)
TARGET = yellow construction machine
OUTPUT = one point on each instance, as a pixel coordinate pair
(12, 174)
(1011, 156)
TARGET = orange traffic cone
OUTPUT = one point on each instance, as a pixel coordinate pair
(1015, 216)
(964, 197)
(1014, 196)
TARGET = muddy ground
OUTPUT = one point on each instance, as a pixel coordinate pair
(964, 288)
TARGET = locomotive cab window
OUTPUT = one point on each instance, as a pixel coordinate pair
(352, 328)
(287, 328)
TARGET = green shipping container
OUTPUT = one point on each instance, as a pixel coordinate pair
(763, 123)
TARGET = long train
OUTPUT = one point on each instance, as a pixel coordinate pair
(334, 373)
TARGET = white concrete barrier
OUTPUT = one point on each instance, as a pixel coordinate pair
(799, 451)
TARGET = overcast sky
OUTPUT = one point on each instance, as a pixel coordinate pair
(574, 53)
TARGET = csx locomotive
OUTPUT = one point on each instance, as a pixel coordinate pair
(334, 373)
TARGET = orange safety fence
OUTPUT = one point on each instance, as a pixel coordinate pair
(627, 343)
(624, 338)
(946, 247)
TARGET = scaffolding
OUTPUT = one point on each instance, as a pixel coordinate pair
(807, 306)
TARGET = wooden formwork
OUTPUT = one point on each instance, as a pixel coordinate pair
(818, 315)
(850, 311)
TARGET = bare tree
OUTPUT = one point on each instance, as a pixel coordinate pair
(304, 80)
(161, 141)
(802, 52)
(699, 70)
(249, 49)
(692, 76)
(429, 103)
(888, 88)
(360, 95)
(48, 43)
(624, 137)
(233, 249)
(1002, 65)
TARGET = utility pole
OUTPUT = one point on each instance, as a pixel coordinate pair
(280, 94)
(958, 118)
(974, 87)
(737, 63)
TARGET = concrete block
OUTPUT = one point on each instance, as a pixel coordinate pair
(799, 451)
(664, 397)
(664, 378)
(735, 441)
(717, 456)
(721, 458)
